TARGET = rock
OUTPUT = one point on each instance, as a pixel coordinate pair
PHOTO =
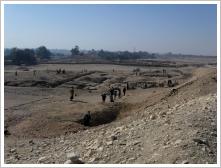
(131, 159)
(134, 143)
(213, 124)
(101, 162)
(211, 152)
(62, 141)
(118, 129)
(113, 137)
(37, 152)
(163, 114)
(213, 134)
(109, 143)
(42, 159)
(185, 162)
(13, 150)
(44, 145)
(177, 142)
(177, 129)
(201, 141)
(166, 146)
(31, 142)
(204, 148)
(93, 160)
(88, 153)
(68, 162)
(75, 158)
(123, 143)
(95, 145)
(152, 117)
(21, 145)
(100, 149)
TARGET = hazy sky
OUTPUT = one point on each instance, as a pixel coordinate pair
(187, 29)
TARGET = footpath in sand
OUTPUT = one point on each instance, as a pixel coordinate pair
(166, 127)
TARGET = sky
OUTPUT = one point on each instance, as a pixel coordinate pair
(184, 28)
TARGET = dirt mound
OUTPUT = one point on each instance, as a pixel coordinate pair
(186, 133)
(95, 80)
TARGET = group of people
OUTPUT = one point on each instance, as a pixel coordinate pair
(60, 71)
(113, 93)
(87, 116)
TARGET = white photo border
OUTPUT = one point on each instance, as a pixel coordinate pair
(3, 3)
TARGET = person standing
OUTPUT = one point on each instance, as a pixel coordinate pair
(87, 119)
(72, 93)
(103, 97)
(124, 90)
(111, 94)
(34, 73)
(119, 93)
(115, 94)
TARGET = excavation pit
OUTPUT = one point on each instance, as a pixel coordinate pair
(104, 116)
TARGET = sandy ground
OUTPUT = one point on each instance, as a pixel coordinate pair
(39, 110)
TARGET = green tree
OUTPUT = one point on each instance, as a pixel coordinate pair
(43, 53)
(75, 51)
(26, 56)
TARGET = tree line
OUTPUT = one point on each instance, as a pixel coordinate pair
(33, 56)
(27, 56)
(111, 56)
(124, 55)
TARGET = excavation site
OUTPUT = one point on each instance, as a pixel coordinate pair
(110, 84)
(162, 109)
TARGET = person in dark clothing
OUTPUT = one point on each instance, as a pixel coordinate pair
(57, 71)
(6, 132)
(119, 93)
(87, 119)
(169, 83)
(34, 73)
(112, 91)
(111, 98)
(103, 97)
(16, 73)
(111, 94)
(127, 86)
(115, 94)
(72, 93)
(124, 90)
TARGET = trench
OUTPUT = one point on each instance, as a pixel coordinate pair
(104, 116)
(42, 83)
